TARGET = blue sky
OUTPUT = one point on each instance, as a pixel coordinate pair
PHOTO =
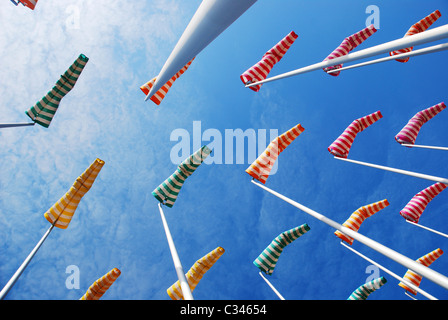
(117, 224)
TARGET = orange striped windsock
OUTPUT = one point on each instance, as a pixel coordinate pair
(410, 131)
(415, 207)
(418, 27)
(100, 286)
(262, 68)
(61, 213)
(341, 146)
(347, 45)
(195, 274)
(262, 166)
(358, 217)
(415, 278)
(161, 93)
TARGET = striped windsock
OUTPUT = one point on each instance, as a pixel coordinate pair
(358, 217)
(161, 93)
(61, 213)
(100, 286)
(262, 166)
(348, 45)
(267, 260)
(341, 146)
(415, 278)
(363, 292)
(45, 109)
(195, 274)
(420, 26)
(261, 70)
(29, 3)
(414, 209)
(168, 191)
(410, 131)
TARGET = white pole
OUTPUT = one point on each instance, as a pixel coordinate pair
(422, 146)
(433, 49)
(272, 287)
(391, 273)
(186, 291)
(25, 263)
(422, 270)
(429, 229)
(405, 42)
(409, 173)
(11, 125)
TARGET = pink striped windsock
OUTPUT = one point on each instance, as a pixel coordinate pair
(410, 131)
(261, 70)
(415, 278)
(414, 209)
(418, 27)
(341, 146)
(348, 45)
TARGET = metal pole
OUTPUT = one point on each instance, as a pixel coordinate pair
(412, 286)
(433, 49)
(422, 270)
(11, 125)
(429, 229)
(405, 42)
(25, 263)
(409, 173)
(186, 291)
(272, 287)
(425, 147)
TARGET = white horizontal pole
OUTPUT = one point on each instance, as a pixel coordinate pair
(272, 287)
(422, 146)
(405, 42)
(405, 172)
(186, 291)
(429, 229)
(12, 125)
(410, 285)
(433, 49)
(422, 270)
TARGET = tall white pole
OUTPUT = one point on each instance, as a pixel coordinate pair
(11, 125)
(272, 287)
(410, 285)
(433, 49)
(424, 147)
(405, 42)
(405, 172)
(422, 270)
(186, 291)
(25, 263)
(429, 229)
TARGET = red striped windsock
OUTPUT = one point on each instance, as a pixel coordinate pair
(29, 3)
(261, 167)
(410, 131)
(261, 70)
(348, 45)
(341, 146)
(414, 209)
(415, 278)
(161, 93)
(420, 26)
(358, 217)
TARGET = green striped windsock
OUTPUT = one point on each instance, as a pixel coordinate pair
(168, 191)
(366, 289)
(44, 110)
(267, 260)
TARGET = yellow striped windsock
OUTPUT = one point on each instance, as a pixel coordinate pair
(195, 274)
(100, 286)
(61, 213)
(358, 217)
